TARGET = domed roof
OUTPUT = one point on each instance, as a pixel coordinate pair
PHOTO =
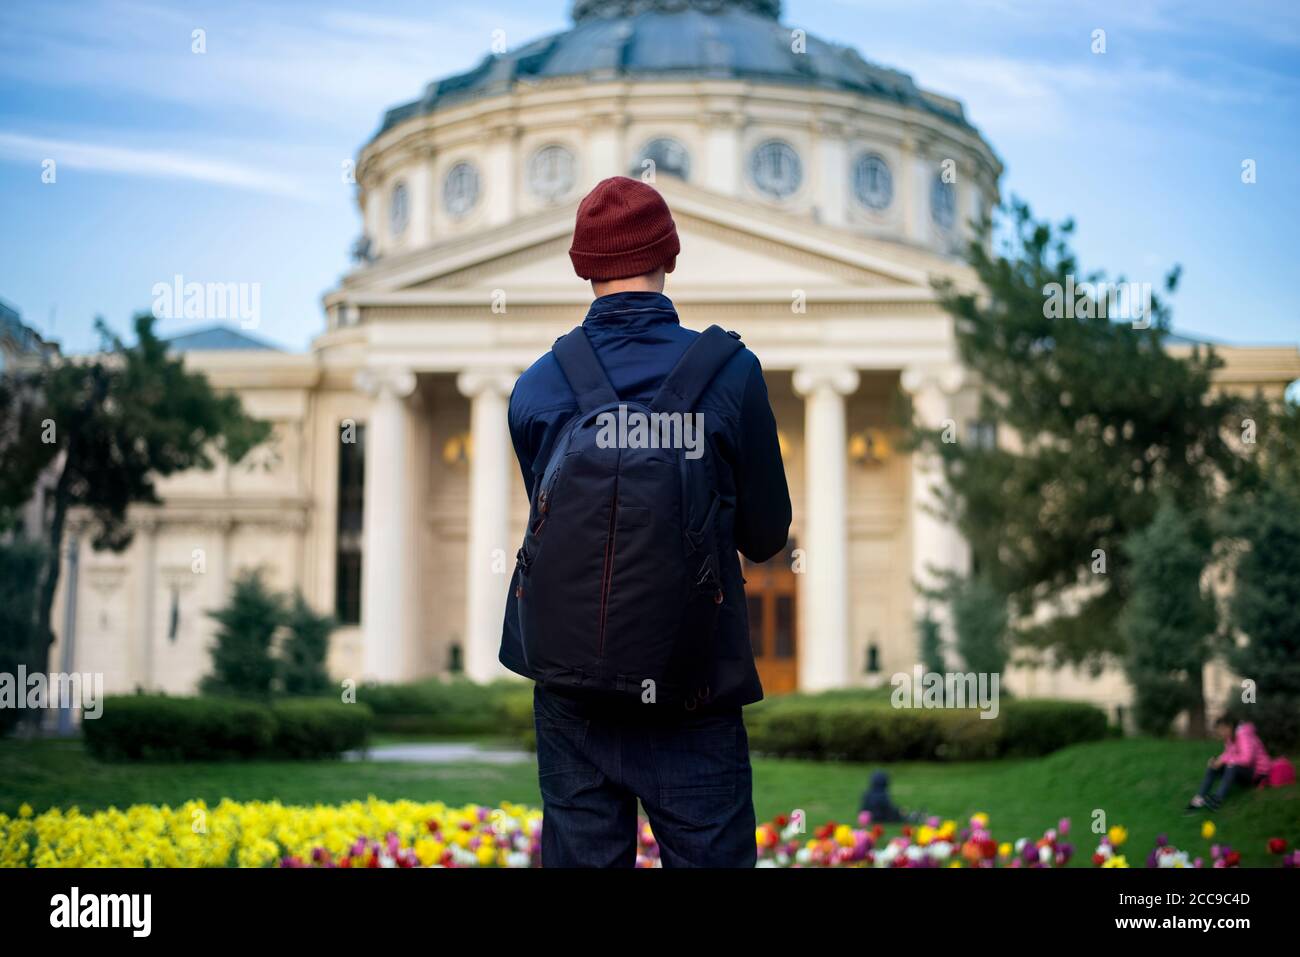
(677, 38)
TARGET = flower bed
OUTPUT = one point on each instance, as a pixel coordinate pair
(369, 833)
(936, 843)
(376, 833)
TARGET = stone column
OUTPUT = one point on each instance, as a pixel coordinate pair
(147, 530)
(499, 174)
(722, 170)
(488, 564)
(833, 173)
(388, 554)
(937, 545)
(605, 148)
(824, 602)
(422, 193)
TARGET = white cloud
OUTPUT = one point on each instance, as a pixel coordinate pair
(101, 157)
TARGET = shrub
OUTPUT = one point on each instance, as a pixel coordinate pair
(241, 656)
(319, 727)
(302, 656)
(837, 727)
(1036, 726)
(20, 642)
(931, 642)
(979, 619)
(1167, 621)
(162, 728)
(1265, 608)
(457, 706)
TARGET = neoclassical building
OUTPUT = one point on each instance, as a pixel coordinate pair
(817, 197)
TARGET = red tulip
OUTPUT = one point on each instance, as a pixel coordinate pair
(1276, 845)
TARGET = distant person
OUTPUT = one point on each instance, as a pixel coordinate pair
(876, 802)
(1244, 762)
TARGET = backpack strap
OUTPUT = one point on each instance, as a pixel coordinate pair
(580, 366)
(695, 370)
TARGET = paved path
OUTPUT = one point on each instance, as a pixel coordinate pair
(440, 753)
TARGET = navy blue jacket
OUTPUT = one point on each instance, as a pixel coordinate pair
(638, 339)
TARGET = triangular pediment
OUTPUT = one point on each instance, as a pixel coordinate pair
(726, 245)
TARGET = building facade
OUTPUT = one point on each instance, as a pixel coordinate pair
(817, 198)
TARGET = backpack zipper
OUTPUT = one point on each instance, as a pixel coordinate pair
(607, 575)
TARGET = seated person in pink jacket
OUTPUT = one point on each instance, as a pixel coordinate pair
(1243, 762)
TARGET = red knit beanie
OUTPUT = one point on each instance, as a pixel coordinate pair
(624, 229)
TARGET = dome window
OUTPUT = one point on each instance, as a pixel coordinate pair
(663, 155)
(399, 208)
(775, 169)
(943, 202)
(873, 184)
(460, 191)
(551, 173)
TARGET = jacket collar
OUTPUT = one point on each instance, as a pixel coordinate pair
(631, 308)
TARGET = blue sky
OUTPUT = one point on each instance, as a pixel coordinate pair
(227, 166)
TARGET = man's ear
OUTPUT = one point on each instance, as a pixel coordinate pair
(672, 264)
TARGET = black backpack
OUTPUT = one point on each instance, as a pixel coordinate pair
(618, 577)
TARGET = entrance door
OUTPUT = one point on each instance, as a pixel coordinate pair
(773, 622)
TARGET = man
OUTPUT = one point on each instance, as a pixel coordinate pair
(688, 766)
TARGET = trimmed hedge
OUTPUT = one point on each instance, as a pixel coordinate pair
(450, 707)
(308, 728)
(164, 728)
(868, 729)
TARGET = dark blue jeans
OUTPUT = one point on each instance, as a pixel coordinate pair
(692, 776)
(1229, 776)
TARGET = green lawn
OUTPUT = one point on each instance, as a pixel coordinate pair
(1141, 784)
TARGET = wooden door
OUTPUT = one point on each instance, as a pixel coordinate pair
(773, 622)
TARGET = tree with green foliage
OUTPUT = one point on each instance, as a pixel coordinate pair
(110, 425)
(305, 647)
(1261, 528)
(1105, 421)
(930, 638)
(20, 568)
(979, 622)
(242, 659)
(1168, 622)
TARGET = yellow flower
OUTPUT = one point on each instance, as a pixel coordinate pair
(982, 818)
(925, 834)
(844, 836)
(1117, 834)
(1116, 861)
(1207, 830)
(25, 810)
(1005, 849)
